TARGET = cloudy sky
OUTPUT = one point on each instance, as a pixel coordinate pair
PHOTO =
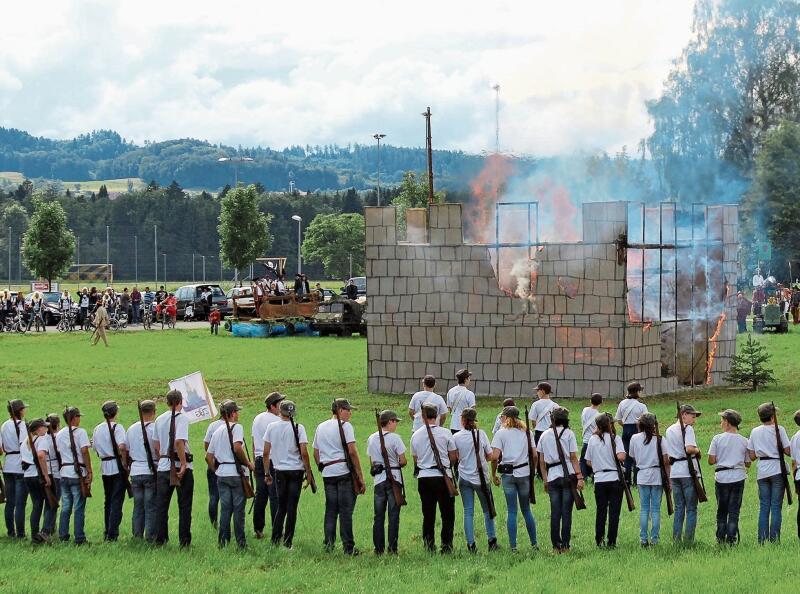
(574, 75)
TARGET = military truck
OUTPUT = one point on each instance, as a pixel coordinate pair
(341, 317)
(771, 318)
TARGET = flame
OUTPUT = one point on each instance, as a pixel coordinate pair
(647, 326)
(487, 188)
(713, 345)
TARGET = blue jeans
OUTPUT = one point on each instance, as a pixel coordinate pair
(231, 500)
(650, 512)
(135, 313)
(770, 500)
(213, 496)
(114, 499)
(49, 523)
(144, 506)
(340, 501)
(517, 489)
(468, 492)
(384, 501)
(264, 494)
(628, 431)
(561, 502)
(729, 502)
(16, 497)
(38, 503)
(685, 509)
(71, 500)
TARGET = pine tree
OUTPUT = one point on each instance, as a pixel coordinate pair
(749, 366)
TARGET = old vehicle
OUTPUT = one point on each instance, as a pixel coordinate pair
(190, 295)
(771, 317)
(341, 317)
(240, 302)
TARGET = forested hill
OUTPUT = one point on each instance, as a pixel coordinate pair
(104, 154)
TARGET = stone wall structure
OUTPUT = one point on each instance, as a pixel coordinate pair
(435, 306)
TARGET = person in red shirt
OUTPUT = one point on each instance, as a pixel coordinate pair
(170, 304)
(214, 318)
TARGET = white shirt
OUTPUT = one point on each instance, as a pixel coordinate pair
(394, 448)
(283, 452)
(421, 448)
(795, 449)
(676, 448)
(513, 444)
(731, 452)
(329, 444)
(212, 427)
(646, 456)
(258, 430)
(758, 281)
(81, 439)
(540, 413)
(162, 435)
(459, 398)
(423, 397)
(47, 444)
(12, 443)
(497, 424)
(84, 301)
(27, 458)
(101, 442)
(139, 465)
(601, 455)
(467, 467)
(549, 451)
(764, 443)
(220, 448)
(629, 411)
(588, 423)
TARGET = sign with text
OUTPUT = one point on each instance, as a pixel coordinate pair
(198, 403)
(41, 286)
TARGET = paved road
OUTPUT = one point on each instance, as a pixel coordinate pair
(179, 324)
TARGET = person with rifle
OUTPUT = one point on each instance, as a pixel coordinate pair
(175, 470)
(588, 428)
(144, 471)
(264, 492)
(227, 456)
(110, 442)
(474, 456)
(54, 468)
(769, 443)
(605, 457)
(795, 451)
(76, 475)
(285, 449)
(541, 410)
(563, 481)
(514, 456)
(16, 491)
(687, 488)
(628, 414)
(386, 452)
(434, 452)
(211, 477)
(336, 456)
(649, 481)
(728, 452)
(33, 456)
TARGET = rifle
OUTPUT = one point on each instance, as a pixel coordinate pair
(531, 466)
(697, 477)
(306, 465)
(580, 503)
(452, 490)
(174, 481)
(52, 502)
(625, 486)
(348, 460)
(150, 461)
(397, 490)
(85, 486)
(118, 457)
(664, 477)
(784, 470)
(487, 491)
(247, 485)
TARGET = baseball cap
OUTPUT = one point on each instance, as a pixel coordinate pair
(463, 375)
(229, 407)
(732, 416)
(388, 415)
(510, 411)
(273, 398)
(341, 404)
(109, 408)
(690, 410)
(288, 408)
(37, 424)
(16, 405)
(72, 411)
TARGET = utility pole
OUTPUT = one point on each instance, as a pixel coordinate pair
(204, 268)
(78, 255)
(378, 137)
(108, 257)
(9, 258)
(164, 273)
(19, 260)
(136, 257)
(351, 265)
(496, 89)
(155, 252)
(429, 142)
(193, 278)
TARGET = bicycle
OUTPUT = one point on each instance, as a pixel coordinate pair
(67, 322)
(167, 319)
(118, 320)
(17, 323)
(146, 318)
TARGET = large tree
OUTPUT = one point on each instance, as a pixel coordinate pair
(413, 194)
(49, 245)
(332, 240)
(243, 229)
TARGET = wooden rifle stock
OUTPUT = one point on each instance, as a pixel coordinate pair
(49, 495)
(346, 452)
(83, 484)
(487, 490)
(397, 490)
(696, 476)
(247, 485)
(306, 464)
(149, 453)
(784, 470)
(620, 473)
(665, 483)
(452, 490)
(531, 465)
(118, 457)
(572, 479)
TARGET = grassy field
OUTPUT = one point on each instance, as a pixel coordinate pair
(73, 286)
(52, 370)
(93, 185)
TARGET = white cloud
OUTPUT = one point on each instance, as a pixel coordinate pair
(574, 75)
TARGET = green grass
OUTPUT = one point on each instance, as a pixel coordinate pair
(112, 185)
(52, 370)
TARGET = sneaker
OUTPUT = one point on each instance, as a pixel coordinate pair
(472, 548)
(493, 546)
(353, 552)
(259, 534)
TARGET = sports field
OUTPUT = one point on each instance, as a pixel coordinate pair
(49, 371)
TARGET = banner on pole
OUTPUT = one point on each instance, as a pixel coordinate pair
(198, 403)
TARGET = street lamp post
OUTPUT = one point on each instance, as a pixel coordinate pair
(164, 273)
(378, 136)
(204, 268)
(136, 257)
(299, 220)
(235, 161)
(193, 278)
(108, 252)
(9, 258)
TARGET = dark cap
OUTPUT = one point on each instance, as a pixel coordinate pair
(559, 414)
(228, 407)
(545, 387)
(469, 414)
(53, 420)
(14, 406)
(510, 411)
(341, 404)
(273, 398)
(288, 408)
(387, 416)
(430, 410)
(463, 375)
(732, 416)
(109, 408)
(766, 411)
(174, 397)
(71, 412)
(688, 409)
(634, 387)
(37, 424)
(148, 406)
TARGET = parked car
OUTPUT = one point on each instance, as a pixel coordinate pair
(244, 299)
(190, 294)
(52, 307)
(328, 294)
(360, 283)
